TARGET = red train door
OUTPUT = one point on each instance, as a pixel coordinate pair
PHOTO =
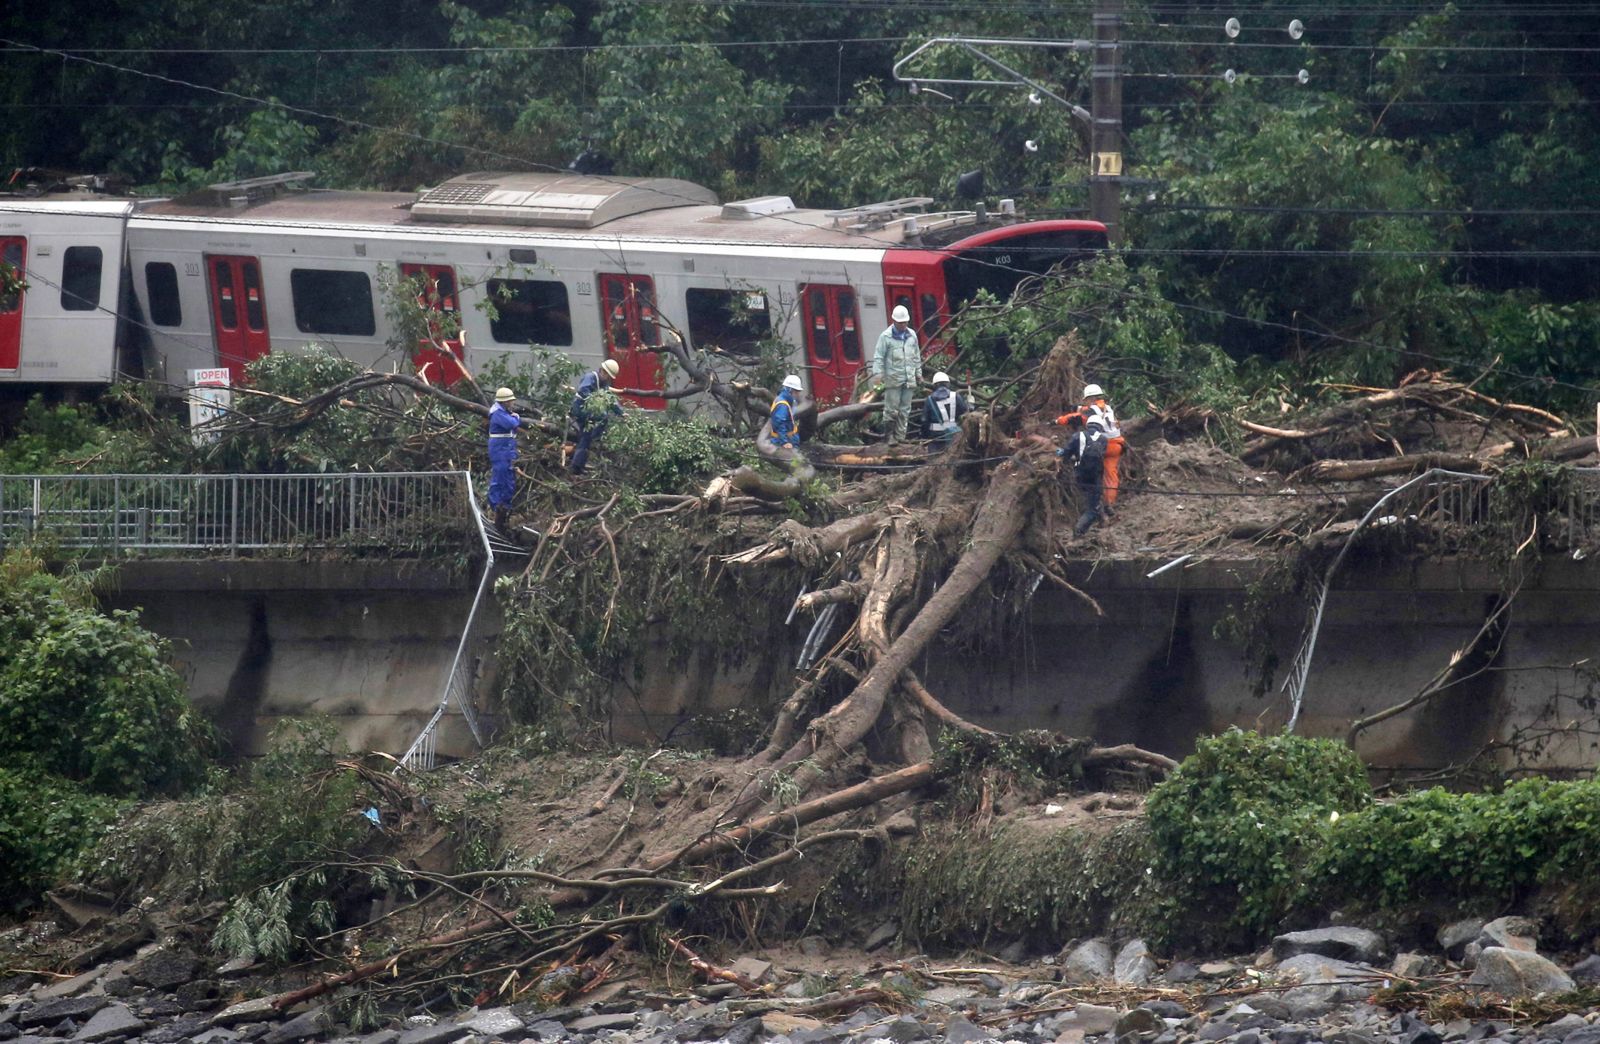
(238, 312)
(628, 314)
(438, 295)
(14, 252)
(833, 341)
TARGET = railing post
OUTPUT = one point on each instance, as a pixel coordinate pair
(233, 517)
(38, 507)
(116, 517)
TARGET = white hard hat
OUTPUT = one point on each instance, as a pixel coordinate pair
(941, 378)
(610, 367)
(793, 381)
(504, 395)
(1093, 391)
(900, 315)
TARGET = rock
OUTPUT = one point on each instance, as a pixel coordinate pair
(1588, 1035)
(1089, 961)
(780, 1022)
(1453, 938)
(1070, 1035)
(1586, 971)
(1414, 1031)
(1343, 943)
(236, 967)
(75, 985)
(1563, 1027)
(1292, 1035)
(904, 1030)
(1510, 933)
(881, 936)
(1180, 972)
(227, 1036)
(1133, 965)
(752, 969)
(499, 1023)
(1325, 981)
(546, 1029)
(163, 969)
(440, 1033)
(593, 1023)
(948, 995)
(118, 984)
(113, 1021)
(1350, 1036)
(304, 1026)
(254, 1009)
(813, 946)
(52, 1012)
(1218, 970)
(1139, 1024)
(1015, 952)
(1413, 965)
(1514, 973)
(199, 995)
(1166, 1009)
(179, 1029)
(1095, 1018)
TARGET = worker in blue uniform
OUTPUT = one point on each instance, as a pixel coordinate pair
(590, 420)
(785, 427)
(942, 411)
(1086, 452)
(503, 426)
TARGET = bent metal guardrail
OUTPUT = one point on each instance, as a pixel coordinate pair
(398, 514)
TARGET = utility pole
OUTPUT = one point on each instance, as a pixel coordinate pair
(1105, 109)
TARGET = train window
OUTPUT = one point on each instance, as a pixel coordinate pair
(531, 311)
(930, 317)
(821, 341)
(326, 301)
(733, 320)
(162, 279)
(849, 336)
(80, 279)
(11, 255)
(227, 311)
(255, 314)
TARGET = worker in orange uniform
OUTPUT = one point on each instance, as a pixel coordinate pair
(1100, 426)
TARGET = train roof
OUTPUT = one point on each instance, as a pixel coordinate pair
(578, 207)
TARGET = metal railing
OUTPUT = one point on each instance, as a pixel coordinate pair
(395, 512)
(421, 755)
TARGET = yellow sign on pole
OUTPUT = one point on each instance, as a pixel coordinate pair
(1108, 164)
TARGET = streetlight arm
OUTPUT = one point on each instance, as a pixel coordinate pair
(1018, 79)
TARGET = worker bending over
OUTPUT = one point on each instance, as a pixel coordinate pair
(589, 418)
(503, 425)
(1097, 415)
(897, 366)
(785, 426)
(1086, 452)
(942, 411)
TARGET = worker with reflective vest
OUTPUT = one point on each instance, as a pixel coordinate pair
(589, 420)
(785, 428)
(503, 425)
(1098, 416)
(942, 411)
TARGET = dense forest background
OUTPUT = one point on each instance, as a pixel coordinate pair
(1427, 199)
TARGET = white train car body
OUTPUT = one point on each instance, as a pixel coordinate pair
(591, 267)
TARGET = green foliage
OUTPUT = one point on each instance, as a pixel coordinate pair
(959, 887)
(666, 454)
(90, 696)
(44, 822)
(1133, 339)
(47, 436)
(1233, 825)
(967, 761)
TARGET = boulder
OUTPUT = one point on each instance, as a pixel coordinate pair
(163, 969)
(304, 1026)
(881, 936)
(1587, 971)
(1180, 972)
(1324, 981)
(1343, 943)
(498, 1023)
(1413, 965)
(1218, 970)
(1089, 961)
(1453, 938)
(1510, 933)
(1133, 965)
(1095, 1018)
(253, 1010)
(438, 1033)
(113, 1021)
(1515, 973)
(1563, 1027)
(1139, 1024)
(51, 1012)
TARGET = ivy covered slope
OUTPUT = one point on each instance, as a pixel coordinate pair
(1254, 835)
(90, 715)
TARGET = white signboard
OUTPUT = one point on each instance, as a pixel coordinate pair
(210, 396)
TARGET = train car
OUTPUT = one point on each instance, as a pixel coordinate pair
(596, 267)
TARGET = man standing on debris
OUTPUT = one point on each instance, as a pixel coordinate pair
(591, 419)
(503, 425)
(897, 366)
(1086, 452)
(785, 427)
(1100, 420)
(943, 410)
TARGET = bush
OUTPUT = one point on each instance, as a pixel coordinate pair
(44, 822)
(1234, 824)
(670, 454)
(90, 697)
